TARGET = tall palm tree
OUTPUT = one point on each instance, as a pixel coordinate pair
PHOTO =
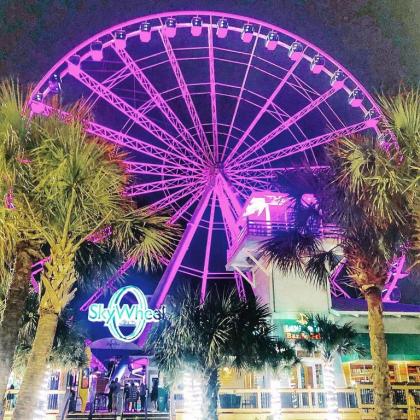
(372, 194)
(19, 243)
(332, 340)
(77, 189)
(223, 331)
(68, 349)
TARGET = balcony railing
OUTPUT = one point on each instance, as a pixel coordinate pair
(257, 229)
(358, 400)
(354, 403)
(54, 399)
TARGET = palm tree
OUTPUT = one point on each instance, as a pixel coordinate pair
(68, 349)
(77, 185)
(223, 331)
(371, 194)
(332, 340)
(19, 245)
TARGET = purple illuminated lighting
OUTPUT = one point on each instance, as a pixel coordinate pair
(36, 269)
(101, 235)
(109, 285)
(189, 156)
(395, 274)
(8, 200)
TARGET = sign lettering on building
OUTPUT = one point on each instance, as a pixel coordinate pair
(115, 316)
(298, 329)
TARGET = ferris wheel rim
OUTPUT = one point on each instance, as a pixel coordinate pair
(259, 164)
(243, 18)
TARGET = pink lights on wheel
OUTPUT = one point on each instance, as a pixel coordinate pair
(337, 79)
(271, 40)
(96, 51)
(247, 33)
(356, 98)
(170, 27)
(295, 51)
(120, 39)
(37, 106)
(196, 26)
(222, 28)
(145, 32)
(371, 117)
(74, 65)
(317, 64)
(101, 235)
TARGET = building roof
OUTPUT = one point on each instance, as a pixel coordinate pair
(359, 305)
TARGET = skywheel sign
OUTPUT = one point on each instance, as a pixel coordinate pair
(119, 318)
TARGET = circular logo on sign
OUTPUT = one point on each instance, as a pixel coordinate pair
(134, 315)
(116, 321)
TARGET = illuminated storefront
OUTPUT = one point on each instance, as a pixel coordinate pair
(290, 297)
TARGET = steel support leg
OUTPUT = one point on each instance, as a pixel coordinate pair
(167, 279)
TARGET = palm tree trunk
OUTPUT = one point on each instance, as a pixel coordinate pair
(211, 383)
(35, 370)
(331, 391)
(378, 349)
(15, 304)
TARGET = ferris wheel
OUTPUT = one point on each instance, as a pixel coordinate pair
(210, 107)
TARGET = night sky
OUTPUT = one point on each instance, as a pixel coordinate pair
(378, 40)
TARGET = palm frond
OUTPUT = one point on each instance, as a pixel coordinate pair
(222, 331)
(333, 339)
(146, 237)
(319, 266)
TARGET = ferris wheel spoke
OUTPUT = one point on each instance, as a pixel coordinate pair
(125, 140)
(184, 208)
(231, 230)
(116, 137)
(226, 210)
(280, 115)
(252, 181)
(232, 196)
(169, 275)
(263, 109)
(307, 144)
(155, 96)
(249, 185)
(109, 82)
(173, 198)
(244, 194)
(270, 173)
(144, 109)
(204, 144)
(284, 125)
(142, 120)
(213, 96)
(208, 248)
(157, 186)
(241, 91)
(154, 169)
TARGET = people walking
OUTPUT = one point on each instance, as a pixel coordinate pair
(11, 398)
(132, 397)
(154, 393)
(142, 394)
(110, 392)
(126, 396)
(117, 397)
